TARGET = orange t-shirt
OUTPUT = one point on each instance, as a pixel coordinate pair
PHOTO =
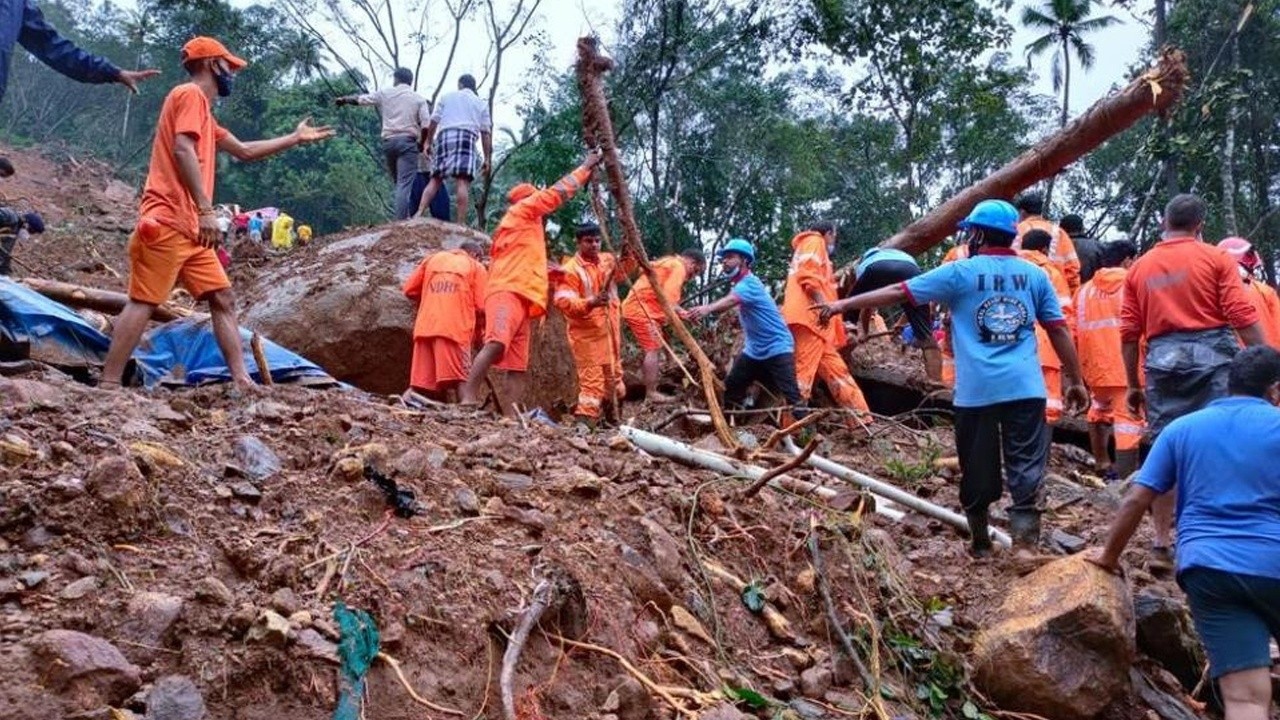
(1062, 249)
(811, 272)
(449, 286)
(519, 257)
(1098, 307)
(1183, 285)
(1267, 303)
(641, 302)
(1049, 356)
(186, 111)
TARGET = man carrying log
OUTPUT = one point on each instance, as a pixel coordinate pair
(178, 228)
(449, 288)
(1186, 300)
(1035, 250)
(1062, 250)
(811, 280)
(644, 317)
(518, 279)
(1098, 306)
(995, 298)
(768, 356)
(588, 298)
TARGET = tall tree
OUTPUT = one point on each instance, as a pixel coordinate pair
(1066, 24)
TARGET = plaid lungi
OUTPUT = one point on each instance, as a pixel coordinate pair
(454, 153)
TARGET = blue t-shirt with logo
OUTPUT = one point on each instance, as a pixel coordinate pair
(762, 324)
(879, 254)
(1223, 461)
(995, 300)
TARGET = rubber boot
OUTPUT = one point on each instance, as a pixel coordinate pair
(979, 534)
(1024, 527)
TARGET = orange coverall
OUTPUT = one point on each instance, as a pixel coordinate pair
(1050, 365)
(449, 287)
(1098, 306)
(594, 332)
(817, 347)
(1062, 249)
(1264, 298)
(642, 311)
(957, 252)
(517, 288)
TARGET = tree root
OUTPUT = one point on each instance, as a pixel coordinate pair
(543, 594)
(666, 693)
(395, 665)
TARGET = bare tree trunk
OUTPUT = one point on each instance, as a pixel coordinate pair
(1229, 151)
(1108, 117)
(1066, 112)
(1168, 164)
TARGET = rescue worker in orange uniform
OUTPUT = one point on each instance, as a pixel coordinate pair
(1062, 249)
(449, 288)
(811, 281)
(958, 251)
(1035, 249)
(588, 298)
(643, 314)
(1098, 306)
(516, 293)
(1261, 295)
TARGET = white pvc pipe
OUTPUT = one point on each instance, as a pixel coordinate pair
(883, 489)
(655, 444)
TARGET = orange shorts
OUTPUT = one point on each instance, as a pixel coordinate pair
(160, 257)
(506, 321)
(437, 361)
(648, 332)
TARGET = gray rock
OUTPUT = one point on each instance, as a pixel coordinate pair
(33, 578)
(311, 644)
(86, 671)
(175, 697)
(806, 710)
(466, 501)
(79, 588)
(272, 411)
(723, 711)
(37, 537)
(816, 681)
(514, 482)
(212, 590)
(247, 492)
(150, 617)
(284, 601)
(67, 488)
(1165, 634)
(1067, 542)
(254, 459)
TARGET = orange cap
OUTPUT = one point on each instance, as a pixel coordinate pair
(520, 192)
(203, 48)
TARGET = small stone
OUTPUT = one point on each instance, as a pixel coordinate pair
(1067, 542)
(86, 671)
(311, 644)
(37, 537)
(222, 491)
(117, 481)
(254, 459)
(175, 697)
(806, 710)
(393, 635)
(617, 443)
(242, 619)
(466, 501)
(151, 616)
(67, 488)
(272, 411)
(16, 450)
(271, 628)
(630, 699)
(513, 482)
(349, 469)
(10, 588)
(300, 619)
(816, 681)
(723, 711)
(247, 492)
(33, 578)
(284, 601)
(62, 450)
(784, 689)
(79, 588)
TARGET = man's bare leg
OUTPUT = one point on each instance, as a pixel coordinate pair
(222, 310)
(933, 363)
(462, 191)
(125, 335)
(1246, 694)
(428, 194)
(650, 369)
(469, 392)
(1162, 511)
(1099, 433)
(517, 383)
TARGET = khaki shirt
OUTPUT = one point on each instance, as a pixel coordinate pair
(404, 112)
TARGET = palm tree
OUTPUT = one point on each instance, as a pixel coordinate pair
(1065, 24)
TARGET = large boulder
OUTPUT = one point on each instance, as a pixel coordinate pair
(1061, 645)
(339, 305)
(1166, 635)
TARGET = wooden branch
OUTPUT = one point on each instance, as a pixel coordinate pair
(260, 359)
(778, 435)
(1155, 91)
(105, 301)
(598, 125)
(869, 681)
(782, 469)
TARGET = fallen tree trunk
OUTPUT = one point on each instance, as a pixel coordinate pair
(598, 127)
(1155, 91)
(104, 301)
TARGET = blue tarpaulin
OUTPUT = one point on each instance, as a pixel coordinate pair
(181, 352)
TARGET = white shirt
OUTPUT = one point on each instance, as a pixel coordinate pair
(404, 112)
(462, 109)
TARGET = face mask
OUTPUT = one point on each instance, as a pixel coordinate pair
(224, 80)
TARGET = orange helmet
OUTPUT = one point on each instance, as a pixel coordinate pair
(1243, 252)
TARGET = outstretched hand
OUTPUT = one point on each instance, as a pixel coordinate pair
(131, 78)
(307, 133)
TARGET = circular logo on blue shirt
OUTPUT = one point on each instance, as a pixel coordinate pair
(1000, 317)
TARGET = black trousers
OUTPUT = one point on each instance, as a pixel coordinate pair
(778, 373)
(1015, 432)
(884, 273)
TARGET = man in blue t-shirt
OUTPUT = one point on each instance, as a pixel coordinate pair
(881, 267)
(768, 357)
(1222, 459)
(995, 299)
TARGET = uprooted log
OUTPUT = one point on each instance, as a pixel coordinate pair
(103, 301)
(598, 128)
(1156, 91)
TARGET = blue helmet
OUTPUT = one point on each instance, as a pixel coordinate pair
(995, 215)
(740, 246)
